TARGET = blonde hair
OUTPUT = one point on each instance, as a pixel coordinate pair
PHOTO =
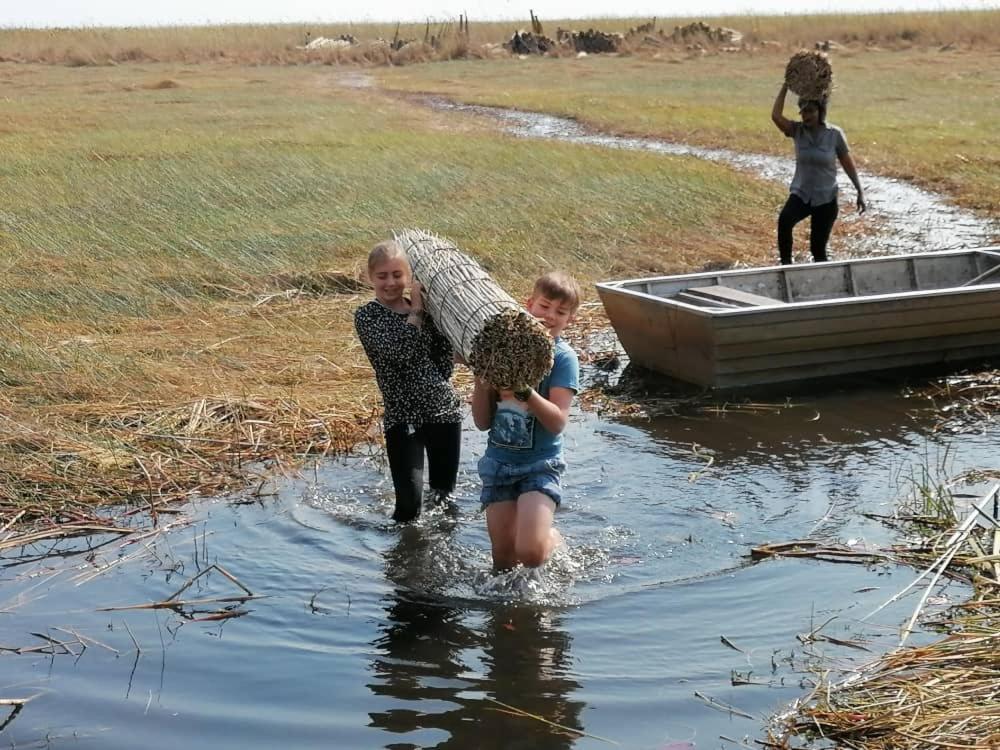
(559, 286)
(385, 251)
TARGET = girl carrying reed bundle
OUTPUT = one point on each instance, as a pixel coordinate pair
(413, 363)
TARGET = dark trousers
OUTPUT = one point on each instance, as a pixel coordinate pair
(405, 451)
(795, 210)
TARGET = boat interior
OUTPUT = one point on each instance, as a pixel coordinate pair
(781, 285)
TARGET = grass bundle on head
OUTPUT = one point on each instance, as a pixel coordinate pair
(809, 75)
(499, 340)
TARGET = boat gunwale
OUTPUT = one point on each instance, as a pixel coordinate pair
(806, 267)
(620, 287)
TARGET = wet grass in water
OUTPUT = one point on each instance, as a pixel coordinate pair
(942, 694)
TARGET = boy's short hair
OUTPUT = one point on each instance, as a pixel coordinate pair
(383, 251)
(559, 286)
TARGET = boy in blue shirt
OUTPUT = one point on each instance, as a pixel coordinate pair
(521, 468)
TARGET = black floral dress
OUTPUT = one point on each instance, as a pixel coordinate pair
(413, 367)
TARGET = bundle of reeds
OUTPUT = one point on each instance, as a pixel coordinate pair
(809, 75)
(499, 340)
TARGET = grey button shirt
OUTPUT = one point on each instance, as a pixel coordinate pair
(816, 152)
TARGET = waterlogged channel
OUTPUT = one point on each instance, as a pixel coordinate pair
(903, 217)
(654, 630)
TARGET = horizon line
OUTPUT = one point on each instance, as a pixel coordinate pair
(980, 6)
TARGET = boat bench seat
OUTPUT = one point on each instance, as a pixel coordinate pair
(731, 296)
(703, 301)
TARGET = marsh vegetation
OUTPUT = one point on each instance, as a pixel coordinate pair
(184, 229)
(184, 217)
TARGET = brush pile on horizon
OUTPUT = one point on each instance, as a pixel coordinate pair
(499, 340)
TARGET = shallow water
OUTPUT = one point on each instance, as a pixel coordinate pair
(376, 636)
(902, 217)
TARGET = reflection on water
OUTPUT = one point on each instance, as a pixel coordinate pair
(452, 680)
(528, 666)
(838, 418)
(374, 635)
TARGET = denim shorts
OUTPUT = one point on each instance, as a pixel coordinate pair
(504, 481)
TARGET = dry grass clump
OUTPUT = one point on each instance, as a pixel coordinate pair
(237, 390)
(54, 471)
(944, 694)
(810, 75)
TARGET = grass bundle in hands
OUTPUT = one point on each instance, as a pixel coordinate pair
(809, 75)
(500, 341)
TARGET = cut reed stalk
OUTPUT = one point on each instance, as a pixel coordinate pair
(514, 711)
(942, 694)
(500, 341)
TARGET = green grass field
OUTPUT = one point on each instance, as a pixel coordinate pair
(153, 216)
(182, 241)
(922, 115)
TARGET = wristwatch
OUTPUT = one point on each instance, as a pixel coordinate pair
(523, 394)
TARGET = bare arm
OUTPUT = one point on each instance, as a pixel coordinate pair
(783, 124)
(552, 412)
(847, 162)
(484, 401)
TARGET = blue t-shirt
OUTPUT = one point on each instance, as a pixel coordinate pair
(516, 436)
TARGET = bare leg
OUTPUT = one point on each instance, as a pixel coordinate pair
(501, 522)
(534, 540)
(556, 539)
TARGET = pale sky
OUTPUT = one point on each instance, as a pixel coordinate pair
(20, 13)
